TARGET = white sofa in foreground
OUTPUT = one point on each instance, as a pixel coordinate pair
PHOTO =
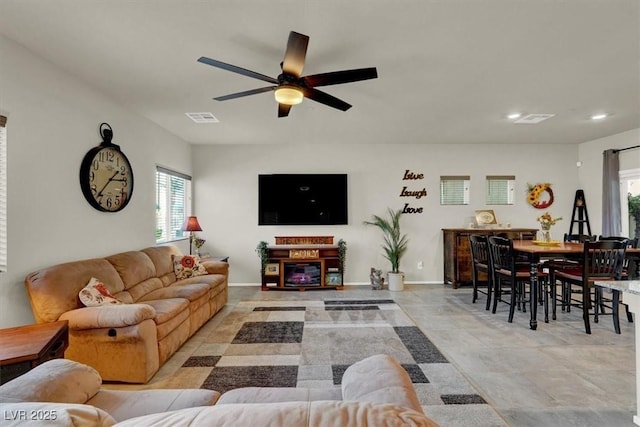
(376, 391)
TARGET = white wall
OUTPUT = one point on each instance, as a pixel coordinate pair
(590, 173)
(226, 180)
(53, 121)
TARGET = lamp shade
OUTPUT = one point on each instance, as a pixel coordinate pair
(191, 224)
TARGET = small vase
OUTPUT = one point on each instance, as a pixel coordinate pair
(545, 233)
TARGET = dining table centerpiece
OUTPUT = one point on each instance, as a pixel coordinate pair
(546, 221)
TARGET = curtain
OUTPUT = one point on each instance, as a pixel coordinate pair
(611, 215)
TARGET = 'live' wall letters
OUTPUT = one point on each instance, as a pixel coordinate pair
(418, 194)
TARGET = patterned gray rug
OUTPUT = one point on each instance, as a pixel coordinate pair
(311, 343)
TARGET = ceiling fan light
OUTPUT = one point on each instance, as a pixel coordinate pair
(289, 95)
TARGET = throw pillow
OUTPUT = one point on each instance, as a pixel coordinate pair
(188, 266)
(96, 293)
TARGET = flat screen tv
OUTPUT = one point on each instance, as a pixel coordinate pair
(302, 199)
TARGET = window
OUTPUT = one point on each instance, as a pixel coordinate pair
(3, 193)
(629, 201)
(173, 204)
(500, 189)
(454, 190)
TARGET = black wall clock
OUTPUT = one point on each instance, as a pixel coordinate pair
(106, 177)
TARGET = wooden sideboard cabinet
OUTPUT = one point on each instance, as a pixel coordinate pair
(457, 254)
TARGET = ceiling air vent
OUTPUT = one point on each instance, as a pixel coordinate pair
(532, 119)
(202, 117)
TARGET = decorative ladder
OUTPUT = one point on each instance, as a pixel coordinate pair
(580, 209)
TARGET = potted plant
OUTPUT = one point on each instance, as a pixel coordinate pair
(263, 252)
(342, 254)
(394, 246)
(634, 212)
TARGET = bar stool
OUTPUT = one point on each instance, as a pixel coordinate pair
(508, 274)
(601, 260)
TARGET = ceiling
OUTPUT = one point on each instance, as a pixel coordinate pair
(449, 70)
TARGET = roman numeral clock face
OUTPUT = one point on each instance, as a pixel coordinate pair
(106, 178)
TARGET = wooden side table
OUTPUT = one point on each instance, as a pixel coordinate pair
(24, 347)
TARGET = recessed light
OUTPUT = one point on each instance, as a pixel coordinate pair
(599, 116)
(513, 115)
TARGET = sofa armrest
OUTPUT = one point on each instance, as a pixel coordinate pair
(53, 415)
(216, 267)
(380, 379)
(108, 316)
(57, 380)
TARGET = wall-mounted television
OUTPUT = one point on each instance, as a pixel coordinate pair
(302, 199)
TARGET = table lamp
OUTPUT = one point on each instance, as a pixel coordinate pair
(191, 224)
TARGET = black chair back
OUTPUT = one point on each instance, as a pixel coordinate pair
(614, 238)
(501, 253)
(480, 263)
(603, 258)
(579, 238)
(479, 249)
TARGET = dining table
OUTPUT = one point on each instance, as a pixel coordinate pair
(536, 250)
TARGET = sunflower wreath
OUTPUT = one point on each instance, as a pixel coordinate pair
(535, 193)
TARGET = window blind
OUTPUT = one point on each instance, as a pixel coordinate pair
(3, 193)
(500, 189)
(173, 198)
(454, 190)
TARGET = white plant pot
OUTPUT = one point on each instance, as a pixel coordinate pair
(396, 281)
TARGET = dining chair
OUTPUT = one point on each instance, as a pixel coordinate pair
(479, 245)
(568, 261)
(613, 303)
(631, 243)
(601, 260)
(510, 275)
(579, 238)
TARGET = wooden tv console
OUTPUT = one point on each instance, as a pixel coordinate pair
(302, 267)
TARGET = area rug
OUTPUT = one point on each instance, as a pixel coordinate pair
(311, 343)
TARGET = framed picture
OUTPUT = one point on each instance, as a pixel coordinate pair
(272, 269)
(333, 279)
(486, 217)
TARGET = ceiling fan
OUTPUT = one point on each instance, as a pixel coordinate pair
(290, 86)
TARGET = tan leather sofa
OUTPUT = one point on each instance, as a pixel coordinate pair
(128, 342)
(376, 391)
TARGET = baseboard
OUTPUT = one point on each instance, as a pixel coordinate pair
(347, 284)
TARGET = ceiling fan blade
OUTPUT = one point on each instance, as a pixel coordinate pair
(325, 98)
(283, 110)
(235, 69)
(245, 93)
(339, 77)
(295, 54)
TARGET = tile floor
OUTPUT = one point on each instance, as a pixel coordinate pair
(554, 376)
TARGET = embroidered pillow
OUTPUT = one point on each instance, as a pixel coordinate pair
(96, 293)
(188, 266)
